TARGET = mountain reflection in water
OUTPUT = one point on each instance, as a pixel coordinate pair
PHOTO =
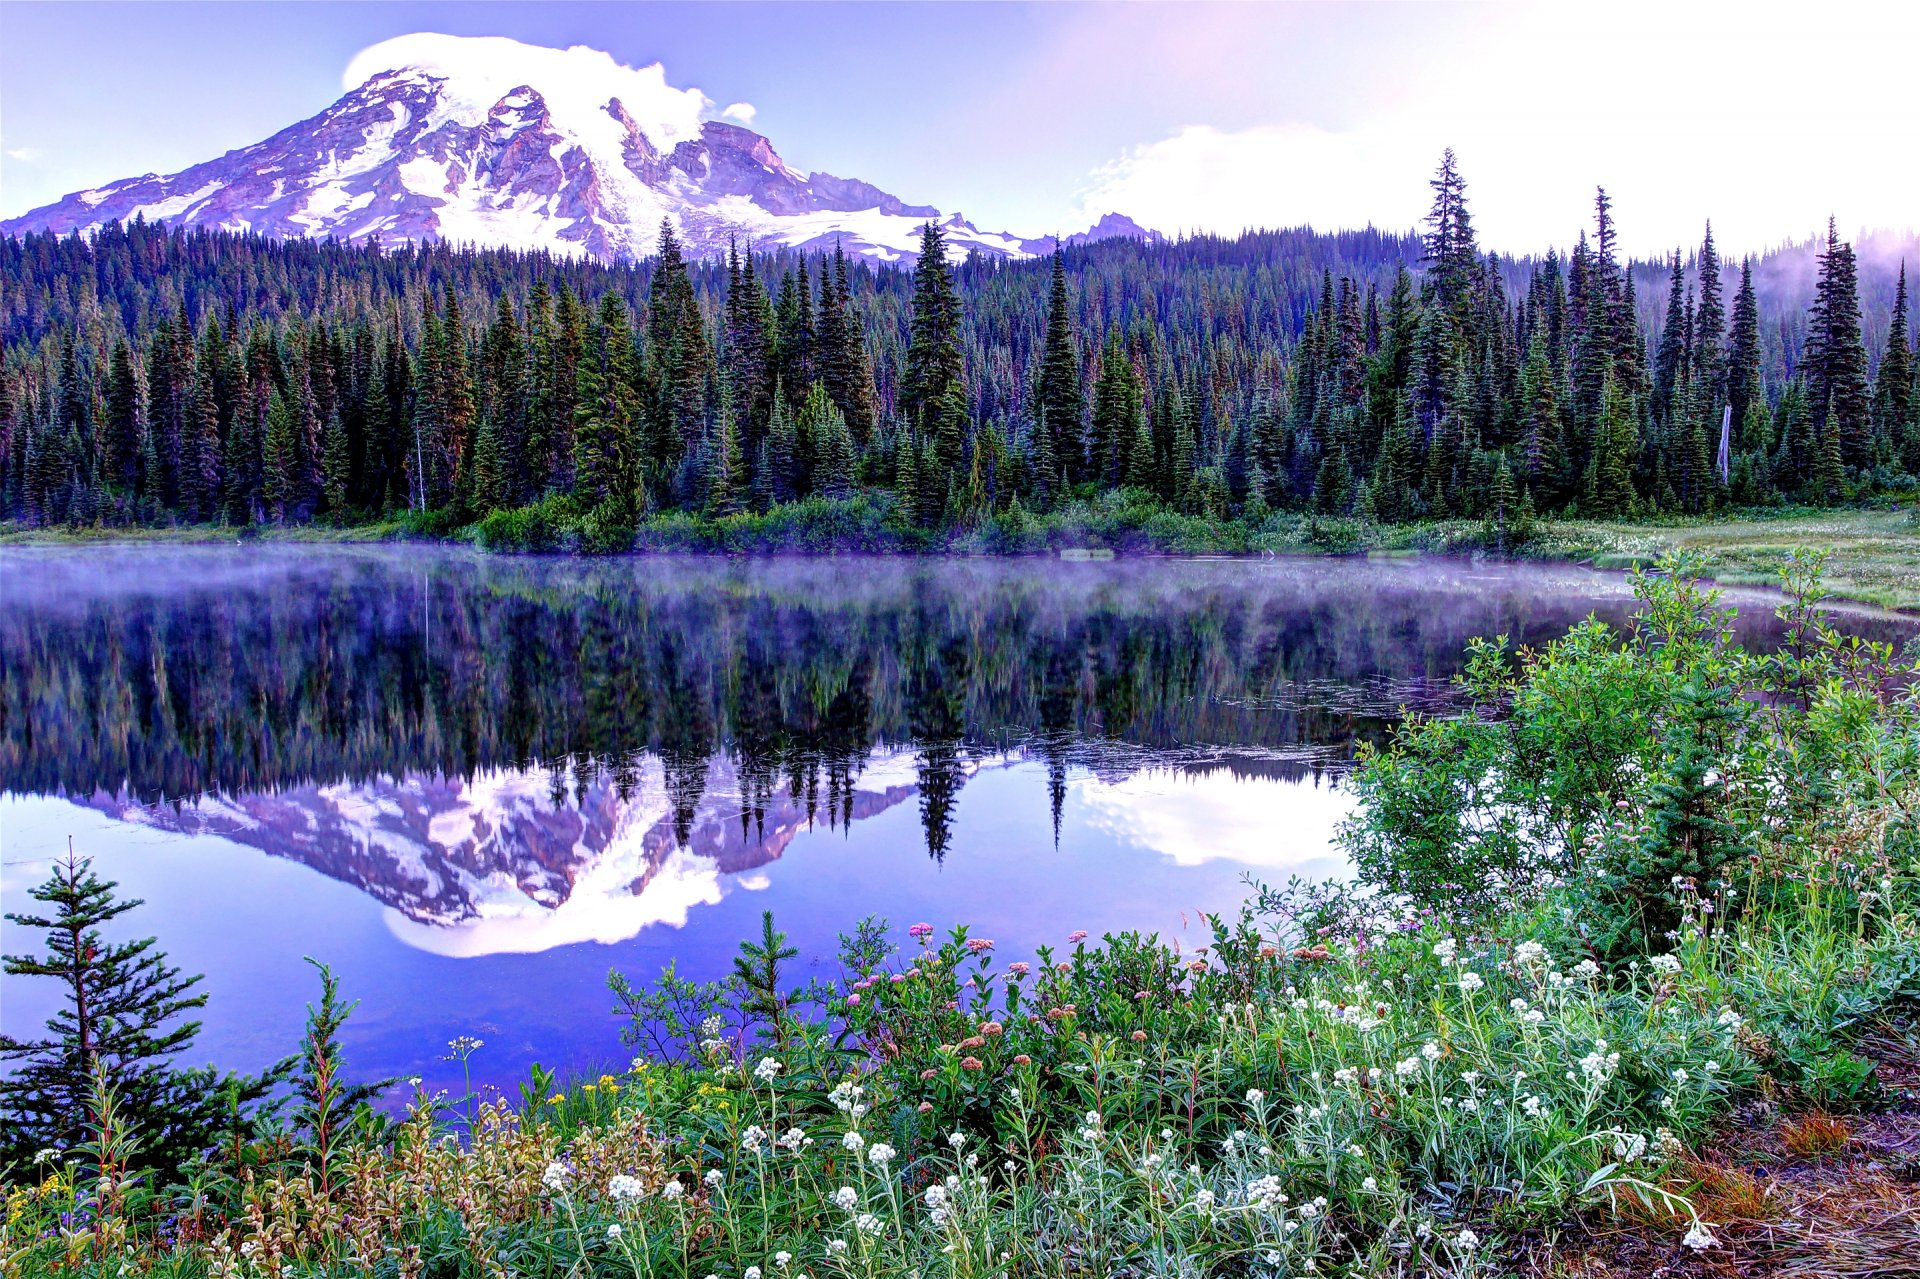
(513, 757)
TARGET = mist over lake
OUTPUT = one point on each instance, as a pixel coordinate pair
(473, 785)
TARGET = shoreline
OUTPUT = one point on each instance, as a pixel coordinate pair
(1875, 558)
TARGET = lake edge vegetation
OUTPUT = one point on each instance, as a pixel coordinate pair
(1648, 881)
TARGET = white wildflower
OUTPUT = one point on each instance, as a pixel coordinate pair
(1699, 1238)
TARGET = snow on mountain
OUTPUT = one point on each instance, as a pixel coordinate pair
(498, 863)
(488, 141)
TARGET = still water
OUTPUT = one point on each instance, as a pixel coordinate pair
(474, 785)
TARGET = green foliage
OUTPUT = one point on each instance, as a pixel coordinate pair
(121, 1017)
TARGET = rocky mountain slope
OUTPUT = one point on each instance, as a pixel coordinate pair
(486, 141)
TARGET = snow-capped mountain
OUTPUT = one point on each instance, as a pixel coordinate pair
(498, 863)
(487, 141)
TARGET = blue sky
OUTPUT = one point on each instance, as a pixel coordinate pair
(1036, 117)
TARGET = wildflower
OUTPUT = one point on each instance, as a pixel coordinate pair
(613, 1232)
(782, 1258)
(836, 1246)
(992, 1028)
(1077, 936)
(1466, 1241)
(852, 1141)
(867, 1224)
(971, 1063)
(1021, 1059)
(714, 1177)
(622, 1188)
(1369, 1185)
(555, 1177)
(413, 1081)
(1533, 1017)
(1446, 950)
(979, 945)
(1255, 1096)
(1019, 968)
(846, 1198)
(956, 1139)
(881, 1154)
(920, 930)
(672, 1190)
(1586, 970)
(1699, 1238)
(793, 1139)
(1410, 1066)
(1529, 953)
(853, 1001)
(1728, 1019)
(1139, 1036)
(1629, 1146)
(1471, 981)
(1431, 1050)
(767, 1069)
(1203, 1200)
(753, 1140)
(1680, 1075)
(751, 1272)
(1666, 963)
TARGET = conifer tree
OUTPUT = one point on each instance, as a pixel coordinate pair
(934, 361)
(1061, 405)
(1893, 382)
(1836, 356)
(725, 474)
(122, 1013)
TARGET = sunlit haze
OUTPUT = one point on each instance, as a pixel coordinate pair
(1032, 119)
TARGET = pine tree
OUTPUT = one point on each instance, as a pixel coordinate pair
(121, 1014)
(1709, 322)
(1451, 254)
(336, 467)
(1743, 347)
(725, 474)
(934, 360)
(606, 431)
(1836, 356)
(1061, 404)
(1893, 383)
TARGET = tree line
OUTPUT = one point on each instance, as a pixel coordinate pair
(159, 376)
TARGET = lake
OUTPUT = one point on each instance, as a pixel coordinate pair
(474, 785)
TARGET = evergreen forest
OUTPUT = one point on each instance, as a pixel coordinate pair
(160, 377)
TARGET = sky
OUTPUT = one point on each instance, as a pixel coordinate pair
(1040, 117)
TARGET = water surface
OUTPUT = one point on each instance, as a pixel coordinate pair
(473, 785)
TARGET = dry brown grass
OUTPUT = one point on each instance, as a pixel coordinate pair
(1815, 1133)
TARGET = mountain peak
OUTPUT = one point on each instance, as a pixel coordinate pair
(487, 141)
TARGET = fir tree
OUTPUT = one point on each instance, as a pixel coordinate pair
(122, 1013)
(934, 361)
(1061, 405)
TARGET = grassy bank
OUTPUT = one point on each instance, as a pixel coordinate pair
(1875, 553)
(1669, 884)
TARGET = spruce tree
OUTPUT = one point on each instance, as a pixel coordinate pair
(1893, 382)
(1061, 405)
(934, 361)
(123, 1013)
(1836, 356)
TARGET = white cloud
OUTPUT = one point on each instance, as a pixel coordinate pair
(1195, 818)
(1209, 179)
(25, 155)
(740, 111)
(579, 81)
(1765, 120)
